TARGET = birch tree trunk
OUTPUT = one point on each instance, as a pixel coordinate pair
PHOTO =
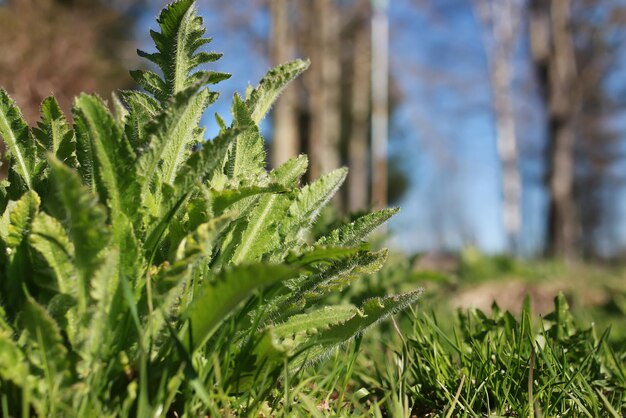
(555, 63)
(501, 21)
(285, 139)
(380, 105)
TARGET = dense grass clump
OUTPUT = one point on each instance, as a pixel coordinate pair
(497, 365)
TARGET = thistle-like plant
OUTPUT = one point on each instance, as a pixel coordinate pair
(136, 257)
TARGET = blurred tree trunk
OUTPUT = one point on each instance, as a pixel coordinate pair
(501, 19)
(598, 46)
(325, 119)
(380, 103)
(555, 63)
(358, 141)
(285, 139)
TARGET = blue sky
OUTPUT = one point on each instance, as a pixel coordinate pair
(444, 124)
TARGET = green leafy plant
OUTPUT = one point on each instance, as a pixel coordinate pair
(140, 263)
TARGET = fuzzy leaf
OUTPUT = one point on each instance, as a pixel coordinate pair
(119, 110)
(371, 312)
(219, 297)
(178, 146)
(289, 173)
(55, 133)
(85, 153)
(313, 322)
(104, 309)
(86, 221)
(307, 205)
(142, 109)
(170, 137)
(152, 83)
(247, 155)
(177, 44)
(283, 340)
(263, 97)
(114, 155)
(13, 366)
(259, 235)
(225, 198)
(199, 165)
(208, 161)
(328, 277)
(356, 231)
(44, 334)
(21, 219)
(20, 143)
(49, 238)
(321, 254)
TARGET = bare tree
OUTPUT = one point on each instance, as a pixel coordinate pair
(324, 91)
(285, 138)
(329, 108)
(358, 140)
(380, 97)
(501, 20)
(554, 59)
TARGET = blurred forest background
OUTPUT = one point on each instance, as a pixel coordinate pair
(494, 124)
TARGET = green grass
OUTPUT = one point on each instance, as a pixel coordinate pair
(465, 363)
(488, 365)
(440, 361)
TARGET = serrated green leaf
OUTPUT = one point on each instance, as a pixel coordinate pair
(335, 274)
(178, 147)
(44, 334)
(208, 161)
(171, 135)
(21, 219)
(50, 239)
(307, 205)
(263, 97)
(119, 110)
(20, 143)
(289, 173)
(322, 254)
(103, 311)
(13, 364)
(86, 221)
(260, 236)
(279, 341)
(218, 298)
(371, 312)
(157, 229)
(113, 154)
(246, 160)
(85, 154)
(142, 109)
(298, 328)
(55, 133)
(356, 231)
(151, 82)
(181, 36)
(225, 198)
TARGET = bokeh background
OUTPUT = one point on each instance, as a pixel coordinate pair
(498, 124)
